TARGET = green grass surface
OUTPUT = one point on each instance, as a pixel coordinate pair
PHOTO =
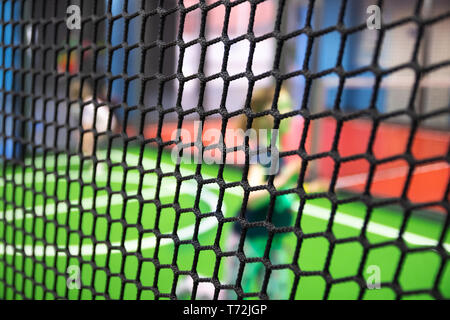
(96, 225)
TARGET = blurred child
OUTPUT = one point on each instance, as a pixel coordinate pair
(258, 203)
(264, 163)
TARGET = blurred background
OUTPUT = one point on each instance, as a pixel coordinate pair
(379, 100)
(137, 73)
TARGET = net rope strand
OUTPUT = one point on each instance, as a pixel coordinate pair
(33, 37)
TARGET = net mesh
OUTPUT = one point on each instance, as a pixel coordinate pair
(59, 209)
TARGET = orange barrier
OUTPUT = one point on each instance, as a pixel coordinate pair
(428, 183)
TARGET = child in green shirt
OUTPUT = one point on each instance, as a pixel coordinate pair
(285, 176)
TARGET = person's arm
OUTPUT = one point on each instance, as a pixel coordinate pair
(293, 169)
(286, 173)
(256, 174)
(256, 178)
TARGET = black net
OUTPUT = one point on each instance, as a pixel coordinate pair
(95, 206)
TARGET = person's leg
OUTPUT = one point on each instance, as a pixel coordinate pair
(232, 263)
(279, 253)
(254, 272)
(279, 281)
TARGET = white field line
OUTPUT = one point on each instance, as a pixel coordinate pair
(207, 224)
(372, 227)
(148, 242)
(49, 209)
(115, 156)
